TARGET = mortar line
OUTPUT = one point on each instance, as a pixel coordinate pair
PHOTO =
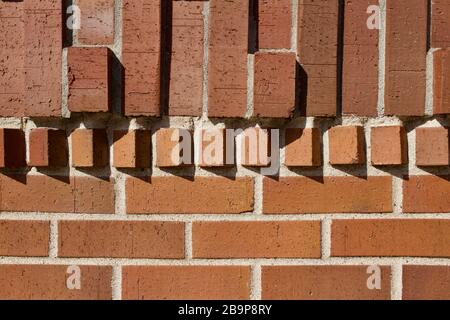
(397, 281)
(53, 241)
(326, 238)
(188, 244)
(116, 282)
(382, 58)
(206, 13)
(256, 282)
(294, 25)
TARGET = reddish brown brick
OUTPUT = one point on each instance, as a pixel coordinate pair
(274, 24)
(389, 146)
(322, 283)
(212, 148)
(406, 48)
(360, 64)
(255, 147)
(390, 238)
(185, 283)
(132, 149)
(292, 195)
(426, 282)
(432, 146)
(24, 238)
(224, 240)
(186, 74)
(303, 147)
(274, 85)
(90, 148)
(440, 24)
(347, 145)
(227, 68)
(49, 282)
(48, 148)
(425, 194)
(121, 239)
(141, 50)
(89, 76)
(178, 195)
(97, 22)
(441, 81)
(172, 150)
(12, 148)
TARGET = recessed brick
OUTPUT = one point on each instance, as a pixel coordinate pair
(96, 22)
(274, 24)
(132, 149)
(174, 148)
(89, 148)
(12, 148)
(24, 238)
(441, 81)
(255, 147)
(425, 194)
(389, 146)
(347, 145)
(48, 148)
(426, 282)
(440, 24)
(303, 147)
(432, 146)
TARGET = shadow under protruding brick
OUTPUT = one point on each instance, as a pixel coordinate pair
(166, 54)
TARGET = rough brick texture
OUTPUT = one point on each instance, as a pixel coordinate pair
(440, 23)
(89, 148)
(347, 145)
(441, 81)
(274, 24)
(423, 194)
(303, 148)
(24, 238)
(132, 149)
(432, 147)
(426, 282)
(389, 146)
(96, 22)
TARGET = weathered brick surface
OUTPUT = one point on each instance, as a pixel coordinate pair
(440, 23)
(441, 81)
(424, 194)
(303, 147)
(347, 145)
(89, 148)
(170, 144)
(432, 147)
(97, 22)
(274, 24)
(426, 282)
(24, 238)
(389, 145)
(132, 149)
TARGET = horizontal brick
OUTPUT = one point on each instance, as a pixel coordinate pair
(96, 22)
(432, 147)
(24, 238)
(322, 283)
(347, 145)
(39, 193)
(48, 148)
(274, 24)
(199, 195)
(293, 239)
(426, 194)
(426, 282)
(390, 238)
(440, 24)
(121, 239)
(292, 195)
(90, 148)
(12, 148)
(49, 282)
(441, 81)
(389, 145)
(303, 147)
(185, 283)
(132, 149)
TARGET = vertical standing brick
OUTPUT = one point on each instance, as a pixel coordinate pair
(274, 24)
(274, 85)
(174, 148)
(89, 79)
(186, 74)
(317, 49)
(441, 81)
(360, 64)
(213, 148)
(432, 147)
(24, 238)
(132, 149)
(389, 146)
(48, 148)
(255, 147)
(440, 24)
(227, 67)
(141, 34)
(303, 147)
(347, 145)
(426, 282)
(12, 148)
(406, 48)
(90, 148)
(97, 22)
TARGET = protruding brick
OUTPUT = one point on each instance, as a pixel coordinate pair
(389, 146)
(303, 147)
(89, 148)
(274, 24)
(347, 145)
(89, 79)
(132, 149)
(274, 85)
(48, 148)
(426, 194)
(24, 238)
(185, 282)
(186, 74)
(440, 24)
(227, 67)
(49, 282)
(141, 51)
(323, 283)
(432, 146)
(292, 195)
(12, 148)
(224, 240)
(426, 282)
(255, 147)
(406, 49)
(179, 195)
(213, 148)
(121, 239)
(96, 22)
(390, 238)
(174, 148)
(441, 81)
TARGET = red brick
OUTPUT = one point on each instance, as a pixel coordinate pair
(426, 194)
(347, 145)
(90, 148)
(292, 195)
(121, 239)
(212, 148)
(432, 146)
(24, 238)
(274, 24)
(322, 283)
(255, 239)
(389, 146)
(39, 193)
(185, 283)
(360, 64)
(406, 48)
(48, 282)
(227, 67)
(141, 50)
(48, 148)
(132, 149)
(426, 282)
(274, 85)
(440, 24)
(89, 74)
(12, 148)
(303, 147)
(255, 147)
(97, 22)
(390, 238)
(171, 148)
(317, 49)
(186, 74)
(441, 81)
(199, 195)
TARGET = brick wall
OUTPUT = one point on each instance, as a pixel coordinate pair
(89, 185)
